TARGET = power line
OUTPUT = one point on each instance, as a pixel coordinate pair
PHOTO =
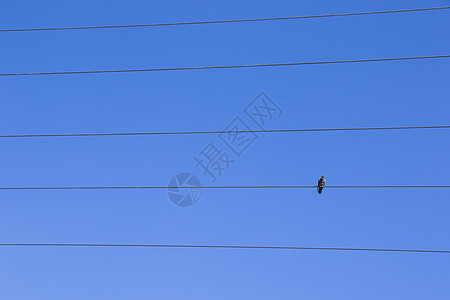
(228, 21)
(219, 132)
(226, 187)
(224, 247)
(230, 66)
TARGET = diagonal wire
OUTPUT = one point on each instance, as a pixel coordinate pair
(230, 66)
(229, 21)
(223, 247)
(226, 187)
(219, 132)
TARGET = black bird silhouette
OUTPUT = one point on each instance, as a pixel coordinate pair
(320, 185)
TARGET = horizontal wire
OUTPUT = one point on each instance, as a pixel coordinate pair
(229, 21)
(224, 187)
(219, 132)
(230, 66)
(224, 247)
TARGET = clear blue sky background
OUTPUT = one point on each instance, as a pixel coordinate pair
(351, 95)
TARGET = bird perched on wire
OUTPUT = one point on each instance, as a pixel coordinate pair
(320, 185)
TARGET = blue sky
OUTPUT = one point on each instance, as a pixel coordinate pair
(351, 95)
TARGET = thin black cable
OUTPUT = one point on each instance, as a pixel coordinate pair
(230, 66)
(229, 21)
(225, 187)
(219, 132)
(223, 247)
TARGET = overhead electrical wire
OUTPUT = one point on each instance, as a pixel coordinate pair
(219, 132)
(230, 66)
(226, 187)
(224, 247)
(229, 21)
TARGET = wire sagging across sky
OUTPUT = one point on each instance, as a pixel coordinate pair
(224, 247)
(219, 132)
(228, 187)
(229, 21)
(231, 66)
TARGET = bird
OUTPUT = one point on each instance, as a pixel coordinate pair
(320, 184)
